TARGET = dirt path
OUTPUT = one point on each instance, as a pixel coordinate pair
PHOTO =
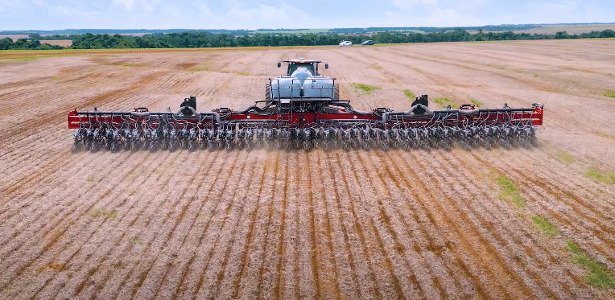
(320, 224)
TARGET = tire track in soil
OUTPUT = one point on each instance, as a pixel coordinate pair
(277, 289)
(83, 254)
(139, 274)
(173, 276)
(180, 288)
(346, 265)
(394, 284)
(315, 251)
(557, 187)
(508, 234)
(530, 251)
(17, 163)
(307, 280)
(55, 236)
(436, 244)
(89, 282)
(47, 116)
(420, 192)
(158, 227)
(22, 160)
(296, 272)
(53, 166)
(359, 230)
(28, 128)
(556, 193)
(114, 253)
(150, 275)
(214, 198)
(251, 269)
(425, 288)
(492, 251)
(51, 118)
(443, 82)
(225, 288)
(156, 204)
(218, 275)
(450, 284)
(69, 249)
(250, 235)
(578, 184)
(12, 221)
(204, 278)
(56, 219)
(431, 243)
(267, 262)
(329, 253)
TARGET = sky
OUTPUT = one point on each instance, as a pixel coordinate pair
(294, 14)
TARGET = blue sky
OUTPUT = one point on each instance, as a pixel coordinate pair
(243, 14)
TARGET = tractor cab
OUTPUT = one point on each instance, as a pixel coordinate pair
(302, 65)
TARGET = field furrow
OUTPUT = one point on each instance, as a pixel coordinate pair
(316, 224)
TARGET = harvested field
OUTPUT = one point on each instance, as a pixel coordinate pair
(570, 29)
(336, 224)
(62, 43)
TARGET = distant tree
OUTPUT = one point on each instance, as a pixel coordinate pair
(560, 35)
(608, 33)
(35, 37)
(44, 47)
(21, 44)
(6, 44)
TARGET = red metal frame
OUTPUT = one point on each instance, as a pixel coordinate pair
(457, 118)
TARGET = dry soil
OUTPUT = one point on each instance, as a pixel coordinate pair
(320, 224)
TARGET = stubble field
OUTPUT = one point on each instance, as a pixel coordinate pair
(487, 224)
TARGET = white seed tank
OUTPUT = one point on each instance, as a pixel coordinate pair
(302, 81)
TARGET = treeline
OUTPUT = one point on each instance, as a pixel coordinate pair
(25, 44)
(199, 39)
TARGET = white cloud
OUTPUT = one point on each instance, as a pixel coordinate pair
(130, 5)
(267, 16)
(434, 13)
(411, 4)
(10, 6)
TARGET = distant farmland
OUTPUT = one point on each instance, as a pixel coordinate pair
(63, 43)
(570, 29)
(522, 223)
